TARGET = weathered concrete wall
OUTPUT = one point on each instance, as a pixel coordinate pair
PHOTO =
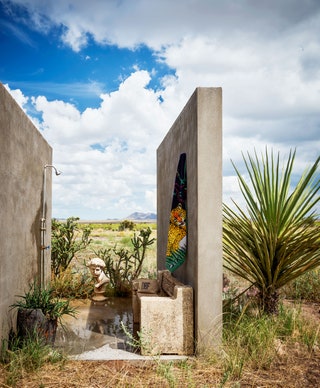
(23, 155)
(197, 132)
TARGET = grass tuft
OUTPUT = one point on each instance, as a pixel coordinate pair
(27, 356)
(256, 342)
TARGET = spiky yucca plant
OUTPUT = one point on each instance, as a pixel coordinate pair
(277, 238)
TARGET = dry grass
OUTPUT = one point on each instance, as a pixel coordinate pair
(294, 369)
(294, 365)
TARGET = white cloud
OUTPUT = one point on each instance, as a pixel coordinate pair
(107, 154)
(18, 96)
(265, 56)
(158, 23)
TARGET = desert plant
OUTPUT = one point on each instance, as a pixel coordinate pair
(305, 287)
(141, 340)
(44, 299)
(39, 312)
(256, 342)
(123, 266)
(72, 283)
(27, 355)
(66, 240)
(277, 238)
(126, 224)
(247, 341)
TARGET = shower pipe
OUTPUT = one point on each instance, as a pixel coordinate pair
(43, 228)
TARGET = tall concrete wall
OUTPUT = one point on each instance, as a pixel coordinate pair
(23, 155)
(197, 132)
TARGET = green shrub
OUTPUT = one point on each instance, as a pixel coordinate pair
(45, 300)
(66, 240)
(125, 241)
(306, 287)
(72, 283)
(28, 355)
(126, 224)
(123, 266)
(257, 341)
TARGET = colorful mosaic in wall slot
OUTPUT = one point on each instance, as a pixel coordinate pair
(177, 235)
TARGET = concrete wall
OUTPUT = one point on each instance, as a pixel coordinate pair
(23, 155)
(197, 132)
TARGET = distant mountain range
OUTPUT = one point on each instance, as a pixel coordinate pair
(139, 216)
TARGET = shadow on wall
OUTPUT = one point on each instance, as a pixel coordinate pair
(23, 154)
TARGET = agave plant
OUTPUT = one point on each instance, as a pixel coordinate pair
(277, 237)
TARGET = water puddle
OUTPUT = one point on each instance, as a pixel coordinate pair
(96, 325)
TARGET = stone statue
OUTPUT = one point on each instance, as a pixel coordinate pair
(97, 266)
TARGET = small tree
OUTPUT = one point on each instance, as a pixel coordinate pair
(278, 238)
(126, 224)
(66, 240)
(123, 266)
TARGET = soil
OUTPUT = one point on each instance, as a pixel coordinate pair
(294, 368)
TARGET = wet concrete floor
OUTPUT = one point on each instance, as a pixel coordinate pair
(97, 325)
(101, 332)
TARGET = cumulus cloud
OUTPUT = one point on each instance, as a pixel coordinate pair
(265, 56)
(107, 154)
(18, 96)
(158, 23)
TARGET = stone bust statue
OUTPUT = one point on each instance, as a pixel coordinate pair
(97, 266)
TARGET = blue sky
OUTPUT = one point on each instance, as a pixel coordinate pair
(104, 81)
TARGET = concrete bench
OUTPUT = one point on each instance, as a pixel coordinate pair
(163, 311)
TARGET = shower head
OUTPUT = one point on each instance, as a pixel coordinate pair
(58, 172)
(55, 170)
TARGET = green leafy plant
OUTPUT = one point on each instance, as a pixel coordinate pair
(39, 312)
(277, 238)
(123, 266)
(45, 300)
(66, 240)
